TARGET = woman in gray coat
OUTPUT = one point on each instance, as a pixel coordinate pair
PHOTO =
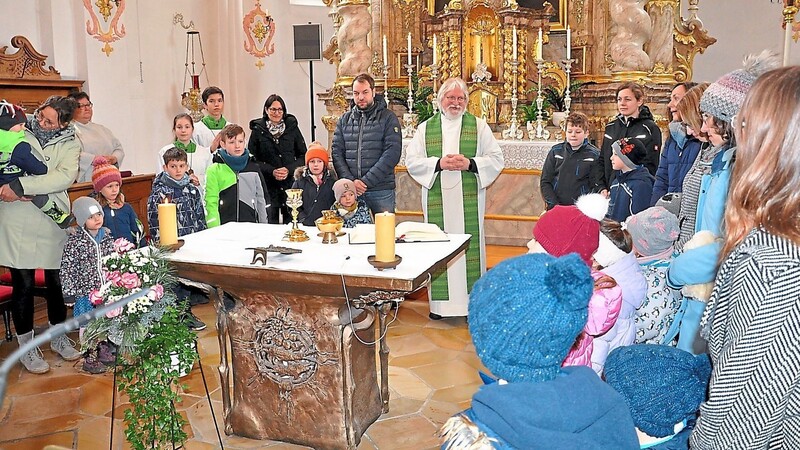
(28, 238)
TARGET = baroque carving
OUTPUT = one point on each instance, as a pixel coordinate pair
(352, 39)
(690, 39)
(25, 62)
(115, 31)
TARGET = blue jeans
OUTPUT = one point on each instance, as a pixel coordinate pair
(380, 201)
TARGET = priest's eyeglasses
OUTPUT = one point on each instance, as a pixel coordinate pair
(453, 98)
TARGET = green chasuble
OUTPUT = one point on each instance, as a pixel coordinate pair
(468, 146)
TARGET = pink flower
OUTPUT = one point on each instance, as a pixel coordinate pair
(122, 245)
(114, 277)
(95, 298)
(156, 292)
(130, 280)
(114, 313)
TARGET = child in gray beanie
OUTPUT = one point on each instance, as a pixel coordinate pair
(654, 232)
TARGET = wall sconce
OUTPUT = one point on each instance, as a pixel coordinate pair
(191, 98)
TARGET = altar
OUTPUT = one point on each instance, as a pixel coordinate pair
(306, 330)
(513, 202)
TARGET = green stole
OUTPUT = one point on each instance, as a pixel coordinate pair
(191, 148)
(468, 146)
(214, 124)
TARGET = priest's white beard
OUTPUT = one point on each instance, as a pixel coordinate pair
(454, 112)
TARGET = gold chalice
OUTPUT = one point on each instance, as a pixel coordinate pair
(329, 224)
(294, 200)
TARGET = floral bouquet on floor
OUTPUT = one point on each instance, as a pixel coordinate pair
(155, 345)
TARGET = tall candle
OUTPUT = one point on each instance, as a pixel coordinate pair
(385, 52)
(569, 43)
(195, 81)
(539, 45)
(167, 223)
(384, 237)
(409, 49)
(514, 43)
(434, 49)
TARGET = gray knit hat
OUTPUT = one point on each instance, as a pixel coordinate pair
(85, 207)
(653, 230)
(724, 98)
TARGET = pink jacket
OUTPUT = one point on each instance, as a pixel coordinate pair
(603, 312)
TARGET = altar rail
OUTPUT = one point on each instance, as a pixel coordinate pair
(513, 202)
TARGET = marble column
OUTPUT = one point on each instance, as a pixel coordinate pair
(660, 46)
(630, 29)
(352, 38)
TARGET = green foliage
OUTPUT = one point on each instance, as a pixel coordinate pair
(529, 112)
(423, 96)
(148, 378)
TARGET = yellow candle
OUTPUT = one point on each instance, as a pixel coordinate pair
(168, 223)
(384, 237)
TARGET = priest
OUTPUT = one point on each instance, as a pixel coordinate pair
(455, 157)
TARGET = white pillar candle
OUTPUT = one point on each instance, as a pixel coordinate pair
(539, 45)
(569, 43)
(409, 49)
(385, 52)
(434, 49)
(514, 43)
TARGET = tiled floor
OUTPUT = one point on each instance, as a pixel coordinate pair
(432, 375)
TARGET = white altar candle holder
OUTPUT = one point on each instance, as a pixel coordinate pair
(514, 132)
(409, 118)
(541, 132)
(567, 63)
(435, 78)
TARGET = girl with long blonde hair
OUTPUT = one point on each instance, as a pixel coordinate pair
(752, 321)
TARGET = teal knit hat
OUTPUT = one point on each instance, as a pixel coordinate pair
(525, 314)
(661, 385)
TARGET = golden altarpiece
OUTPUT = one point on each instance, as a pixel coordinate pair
(613, 41)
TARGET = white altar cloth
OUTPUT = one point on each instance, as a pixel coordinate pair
(226, 246)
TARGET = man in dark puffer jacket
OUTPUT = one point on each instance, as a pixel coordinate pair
(367, 146)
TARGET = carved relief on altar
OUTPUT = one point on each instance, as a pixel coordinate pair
(483, 102)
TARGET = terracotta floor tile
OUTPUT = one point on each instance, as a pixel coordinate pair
(438, 412)
(63, 439)
(411, 432)
(411, 344)
(424, 358)
(449, 339)
(456, 394)
(402, 406)
(49, 425)
(407, 384)
(447, 374)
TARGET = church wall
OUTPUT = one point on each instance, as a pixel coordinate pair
(137, 102)
(741, 27)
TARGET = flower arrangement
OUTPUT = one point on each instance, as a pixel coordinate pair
(150, 332)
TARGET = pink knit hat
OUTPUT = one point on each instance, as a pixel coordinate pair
(572, 229)
(104, 173)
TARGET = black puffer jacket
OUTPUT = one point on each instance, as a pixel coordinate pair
(315, 198)
(288, 150)
(642, 128)
(367, 145)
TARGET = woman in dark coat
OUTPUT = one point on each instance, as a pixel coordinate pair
(279, 148)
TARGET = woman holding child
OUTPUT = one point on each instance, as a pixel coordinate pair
(28, 238)
(278, 145)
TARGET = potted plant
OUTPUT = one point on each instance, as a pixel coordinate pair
(151, 334)
(423, 105)
(557, 99)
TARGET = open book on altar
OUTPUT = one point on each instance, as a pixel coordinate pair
(403, 232)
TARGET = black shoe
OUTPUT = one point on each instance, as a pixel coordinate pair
(198, 298)
(434, 316)
(194, 323)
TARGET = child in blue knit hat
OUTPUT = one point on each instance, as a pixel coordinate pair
(525, 314)
(663, 387)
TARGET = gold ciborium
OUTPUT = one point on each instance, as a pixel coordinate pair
(329, 224)
(294, 200)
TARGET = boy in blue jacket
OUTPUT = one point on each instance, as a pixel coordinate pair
(633, 185)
